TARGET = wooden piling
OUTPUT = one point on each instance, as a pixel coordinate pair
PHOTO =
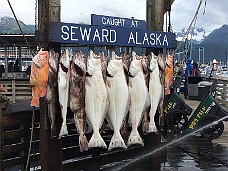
(50, 149)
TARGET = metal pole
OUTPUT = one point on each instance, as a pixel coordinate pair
(203, 55)
(19, 55)
(227, 59)
(6, 60)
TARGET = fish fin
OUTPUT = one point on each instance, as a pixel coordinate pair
(116, 142)
(83, 143)
(103, 127)
(145, 126)
(147, 103)
(63, 131)
(135, 138)
(35, 102)
(108, 82)
(97, 141)
(87, 82)
(152, 128)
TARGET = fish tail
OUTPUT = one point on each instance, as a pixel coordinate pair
(83, 143)
(135, 138)
(97, 141)
(116, 142)
(152, 128)
(35, 102)
(63, 130)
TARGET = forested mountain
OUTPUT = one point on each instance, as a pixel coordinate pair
(9, 26)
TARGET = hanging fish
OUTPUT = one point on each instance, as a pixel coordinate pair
(126, 64)
(63, 88)
(39, 76)
(77, 96)
(96, 99)
(104, 64)
(140, 99)
(168, 73)
(119, 99)
(52, 90)
(145, 64)
(155, 91)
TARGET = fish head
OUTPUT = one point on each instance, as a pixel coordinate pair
(145, 63)
(93, 63)
(136, 64)
(66, 58)
(104, 58)
(169, 60)
(53, 59)
(126, 61)
(41, 58)
(115, 65)
(135, 67)
(79, 62)
(153, 62)
(161, 61)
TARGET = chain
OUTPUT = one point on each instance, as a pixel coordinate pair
(166, 21)
(47, 22)
(45, 122)
(33, 145)
(36, 3)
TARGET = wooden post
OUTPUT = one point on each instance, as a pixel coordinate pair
(50, 149)
(155, 22)
(1, 142)
(155, 19)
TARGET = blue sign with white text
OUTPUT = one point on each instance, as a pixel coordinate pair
(69, 33)
(106, 21)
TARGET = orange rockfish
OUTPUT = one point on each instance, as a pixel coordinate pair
(168, 73)
(39, 76)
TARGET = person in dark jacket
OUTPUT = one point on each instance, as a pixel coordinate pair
(180, 71)
(189, 68)
(188, 72)
(195, 70)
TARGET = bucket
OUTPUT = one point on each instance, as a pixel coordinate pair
(202, 92)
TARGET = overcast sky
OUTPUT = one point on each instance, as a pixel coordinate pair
(76, 11)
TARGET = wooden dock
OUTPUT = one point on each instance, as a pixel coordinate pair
(15, 133)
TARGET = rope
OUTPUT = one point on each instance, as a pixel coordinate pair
(205, 154)
(20, 29)
(205, 7)
(31, 138)
(188, 30)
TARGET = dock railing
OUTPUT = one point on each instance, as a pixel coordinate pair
(17, 88)
(222, 90)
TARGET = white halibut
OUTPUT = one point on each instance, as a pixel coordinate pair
(155, 91)
(119, 99)
(96, 99)
(63, 88)
(140, 99)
